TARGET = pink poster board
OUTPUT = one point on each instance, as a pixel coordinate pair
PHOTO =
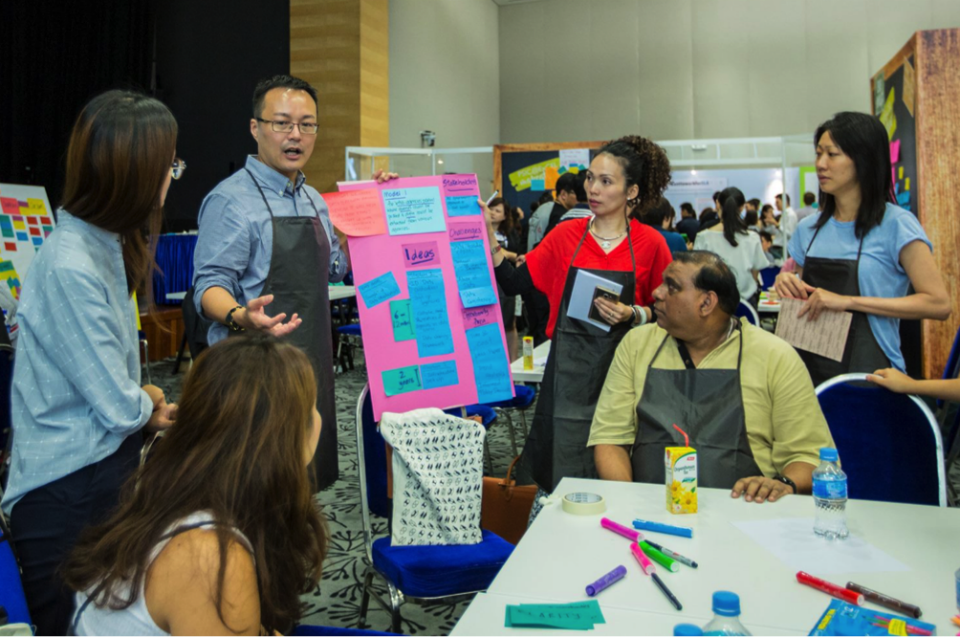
(422, 346)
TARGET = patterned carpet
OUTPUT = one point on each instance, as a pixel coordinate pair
(337, 600)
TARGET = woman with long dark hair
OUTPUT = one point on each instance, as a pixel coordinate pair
(507, 231)
(733, 242)
(625, 174)
(77, 406)
(862, 253)
(218, 533)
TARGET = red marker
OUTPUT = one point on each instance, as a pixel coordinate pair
(834, 590)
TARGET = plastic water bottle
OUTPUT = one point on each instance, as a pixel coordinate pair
(726, 618)
(830, 496)
(687, 629)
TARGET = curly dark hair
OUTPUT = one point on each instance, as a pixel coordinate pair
(644, 164)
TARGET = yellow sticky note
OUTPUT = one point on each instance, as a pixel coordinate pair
(36, 204)
(906, 185)
(900, 174)
(19, 224)
(897, 627)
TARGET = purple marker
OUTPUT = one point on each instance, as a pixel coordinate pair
(607, 580)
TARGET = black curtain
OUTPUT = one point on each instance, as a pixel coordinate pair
(54, 57)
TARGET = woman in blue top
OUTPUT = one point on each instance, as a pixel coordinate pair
(862, 253)
(77, 406)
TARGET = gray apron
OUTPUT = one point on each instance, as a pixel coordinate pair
(580, 356)
(862, 353)
(708, 405)
(297, 279)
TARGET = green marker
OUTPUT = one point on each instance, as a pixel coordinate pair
(657, 556)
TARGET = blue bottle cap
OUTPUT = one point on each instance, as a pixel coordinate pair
(726, 603)
(687, 630)
(829, 454)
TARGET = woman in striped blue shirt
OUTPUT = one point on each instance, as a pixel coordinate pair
(77, 405)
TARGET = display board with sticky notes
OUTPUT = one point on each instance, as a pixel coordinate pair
(430, 317)
(26, 219)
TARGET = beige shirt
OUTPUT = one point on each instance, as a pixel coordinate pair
(784, 420)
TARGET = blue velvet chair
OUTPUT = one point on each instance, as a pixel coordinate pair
(11, 589)
(768, 276)
(746, 311)
(889, 443)
(523, 398)
(416, 573)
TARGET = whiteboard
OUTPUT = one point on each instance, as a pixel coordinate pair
(26, 219)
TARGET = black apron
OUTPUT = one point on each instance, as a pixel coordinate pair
(708, 405)
(862, 353)
(299, 264)
(580, 355)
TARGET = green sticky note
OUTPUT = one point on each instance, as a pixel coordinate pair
(402, 317)
(7, 232)
(579, 616)
(402, 380)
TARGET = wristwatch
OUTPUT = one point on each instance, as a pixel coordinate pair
(495, 249)
(785, 480)
(229, 321)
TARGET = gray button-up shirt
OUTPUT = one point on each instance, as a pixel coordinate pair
(76, 381)
(235, 243)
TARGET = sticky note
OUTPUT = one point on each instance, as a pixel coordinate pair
(550, 175)
(19, 224)
(36, 204)
(895, 152)
(421, 254)
(906, 185)
(9, 246)
(491, 370)
(465, 231)
(402, 380)
(9, 205)
(22, 236)
(439, 374)
(37, 242)
(413, 210)
(462, 206)
(45, 221)
(479, 316)
(537, 185)
(34, 231)
(357, 213)
(460, 184)
(401, 317)
(903, 198)
(575, 615)
(473, 275)
(378, 290)
(7, 232)
(429, 303)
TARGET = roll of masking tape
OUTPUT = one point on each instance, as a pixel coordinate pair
(584, 504)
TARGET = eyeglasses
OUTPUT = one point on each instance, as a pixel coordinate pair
(177, 169)
(285, 126)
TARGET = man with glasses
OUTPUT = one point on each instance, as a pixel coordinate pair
(266, 240)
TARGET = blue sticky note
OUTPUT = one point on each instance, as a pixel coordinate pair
(473, 275)
(538, 185)
(428, 299)
(378, 290)
(903, 198)
(414, 210)
(22, 236)
(491, 370)
(462, 206)
(439, 374)
(402, 380)
(37, 241)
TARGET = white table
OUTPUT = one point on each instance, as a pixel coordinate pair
(562, 553)
(765, 306)
(340, 292)
(540, 354)
(177, 295)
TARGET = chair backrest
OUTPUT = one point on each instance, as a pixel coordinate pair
(12, 597)
(195, 326)
(768, 276)
(889, 443)
(951, 369)
(746, 311)
(372, 463)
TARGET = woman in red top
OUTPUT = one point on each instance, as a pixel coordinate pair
(624, 175)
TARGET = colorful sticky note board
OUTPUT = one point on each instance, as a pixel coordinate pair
(491, 369)
(357, 213)
(439, 374)
(379, 290)
(473, 278)
(402, 380)
(25, 222)
(9, 205)
(9, 276)
(402, 317)
(479, 316)
(462, 206)
(413, 210)
(430, 320)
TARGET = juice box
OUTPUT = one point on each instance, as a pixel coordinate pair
(680, 466)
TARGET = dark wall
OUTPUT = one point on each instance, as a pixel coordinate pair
(208, 55)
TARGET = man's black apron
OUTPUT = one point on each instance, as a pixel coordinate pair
(862, 353)
(708, 405)
(580, 355)
(299, 264)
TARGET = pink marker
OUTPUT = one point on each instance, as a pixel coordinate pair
(626, 532)
(645, 563)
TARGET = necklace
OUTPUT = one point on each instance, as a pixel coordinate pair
(606, 243)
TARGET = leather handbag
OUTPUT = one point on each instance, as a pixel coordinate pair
(505, 507)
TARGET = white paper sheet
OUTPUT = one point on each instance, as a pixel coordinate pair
(825, 336)
(581, 298)
(794, 543)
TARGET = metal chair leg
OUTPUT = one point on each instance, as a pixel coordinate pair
(365, 597)
(513, 434)
(523, 423)
(146, 358)
(395, 602)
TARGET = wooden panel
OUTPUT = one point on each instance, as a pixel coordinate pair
(938, 165)
(163, 331)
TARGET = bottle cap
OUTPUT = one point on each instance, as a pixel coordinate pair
(687, 629)
(726, 603)
(829, 454)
